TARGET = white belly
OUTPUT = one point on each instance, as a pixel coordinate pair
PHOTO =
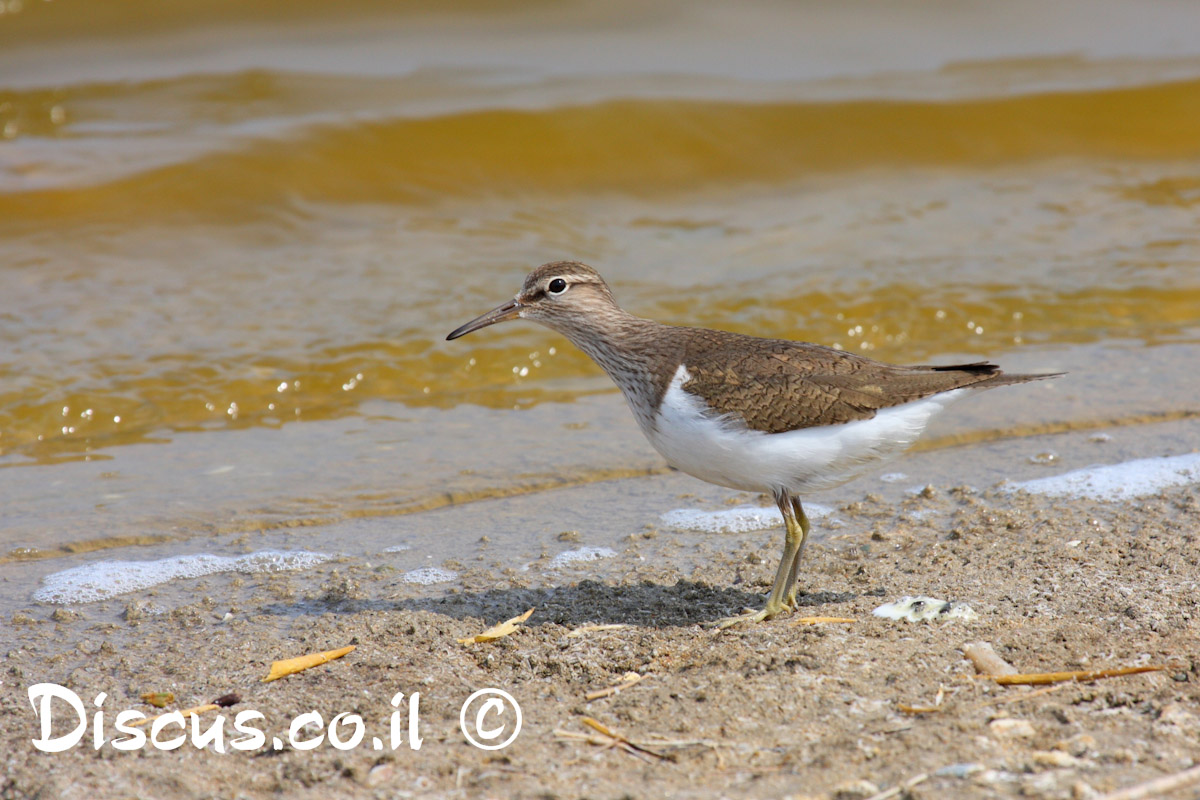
(723, 451)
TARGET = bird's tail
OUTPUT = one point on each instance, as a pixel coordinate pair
(995, 377)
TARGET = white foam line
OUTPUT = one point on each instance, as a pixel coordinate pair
(734, 520)
(427, 576)
(1124, 481)
(101, 580)
(590, 553)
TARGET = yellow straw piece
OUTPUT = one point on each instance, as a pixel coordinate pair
(291, 665)
(498, 631)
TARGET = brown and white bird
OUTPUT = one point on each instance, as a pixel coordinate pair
(760, 415)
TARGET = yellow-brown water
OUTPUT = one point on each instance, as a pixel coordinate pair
(233, 237)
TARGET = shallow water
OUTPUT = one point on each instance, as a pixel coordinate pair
(232, 239)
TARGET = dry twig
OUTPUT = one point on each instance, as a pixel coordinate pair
(1079, 676)
(627, 680)
(621, 740)
(933, 709)
(606, 738)
(1016, 698)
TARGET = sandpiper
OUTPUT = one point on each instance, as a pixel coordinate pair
(759, 415)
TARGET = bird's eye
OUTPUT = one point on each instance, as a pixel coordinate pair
(556, 286)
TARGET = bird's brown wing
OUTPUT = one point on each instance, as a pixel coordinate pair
(776, 385)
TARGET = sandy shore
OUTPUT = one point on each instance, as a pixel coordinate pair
(828, 710)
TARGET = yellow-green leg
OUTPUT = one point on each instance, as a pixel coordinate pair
(783, 591)
(789, 590)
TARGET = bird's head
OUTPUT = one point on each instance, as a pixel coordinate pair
(562, 295)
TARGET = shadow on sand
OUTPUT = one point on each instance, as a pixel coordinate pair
(644, 604)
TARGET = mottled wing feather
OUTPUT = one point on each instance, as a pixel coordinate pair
(776, 385)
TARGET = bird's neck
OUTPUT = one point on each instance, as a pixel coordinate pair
(632, 350)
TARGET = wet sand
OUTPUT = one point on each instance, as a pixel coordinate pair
(776, 709)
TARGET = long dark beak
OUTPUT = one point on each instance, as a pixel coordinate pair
(510, 310)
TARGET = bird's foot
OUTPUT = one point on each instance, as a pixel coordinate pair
(767, 613)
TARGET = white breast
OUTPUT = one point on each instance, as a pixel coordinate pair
(723, 451)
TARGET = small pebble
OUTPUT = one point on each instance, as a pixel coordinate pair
(1041, 785)
(965, 770)
(1055, 758)
(991, 777)
(1006, 728)
(1077, 745)
(1081, 791)
(380, 774)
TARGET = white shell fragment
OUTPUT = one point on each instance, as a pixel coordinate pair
(925, 609)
